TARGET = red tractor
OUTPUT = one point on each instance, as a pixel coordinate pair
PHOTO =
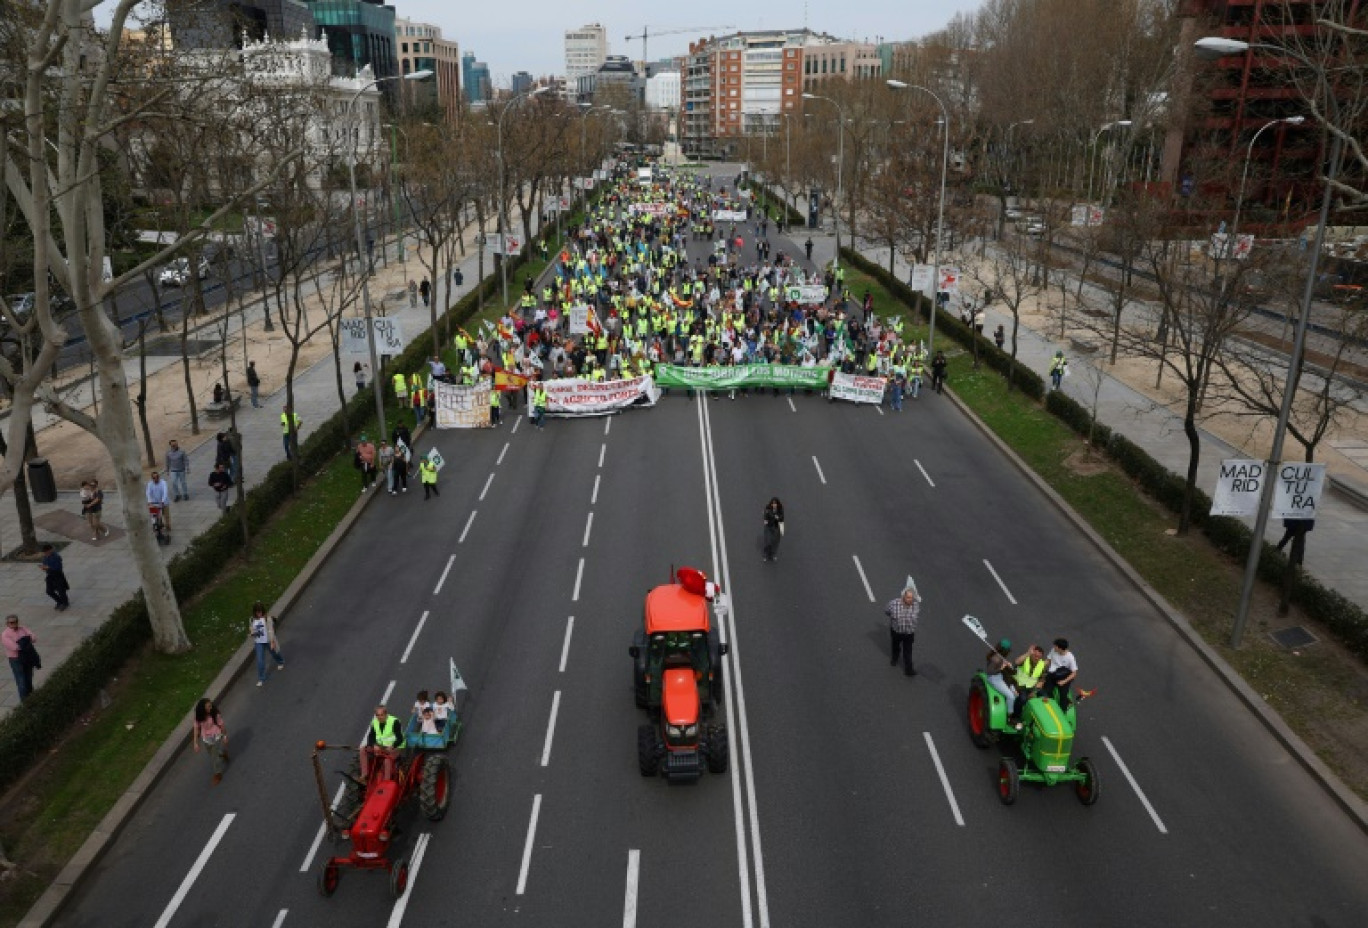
(368, 811)
(677, 678)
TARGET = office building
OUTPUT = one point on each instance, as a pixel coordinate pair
(521, 82)
(225, 23)
(422, 48)
(360, 34)
(475, 79)
(586, 49)
(840, 60)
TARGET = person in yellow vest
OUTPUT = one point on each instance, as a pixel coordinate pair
(915, 371)
(538, 403)
(383, 743)
(419, 405)
(401, 388)
(427, 473)
(289, 431)
(1029, 678)
(495, 405)
(415, 382)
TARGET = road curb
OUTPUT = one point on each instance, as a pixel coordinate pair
(50, 904)
(1356, 808)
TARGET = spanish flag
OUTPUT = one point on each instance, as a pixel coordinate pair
(507, 381)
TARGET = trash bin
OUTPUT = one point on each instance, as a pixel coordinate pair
(41, 482)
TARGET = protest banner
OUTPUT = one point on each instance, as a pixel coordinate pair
(729, 215)
(857, 389)
(575, 397)
(807, 293)
(462, 407)
(742, 376)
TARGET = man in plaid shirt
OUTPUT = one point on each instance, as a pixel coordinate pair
(903, 613)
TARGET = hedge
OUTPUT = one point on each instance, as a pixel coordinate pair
(770, 198)
(1345, 620)
(28, 732)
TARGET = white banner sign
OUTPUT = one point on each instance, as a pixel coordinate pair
(1086, 215)
(650, 209)
(574, 397)
(1296, 491)
(582, 183)
(729, 215)
(807, 293)
(551, 205)
(462, 407)
(579, 320)
(857, 389)
(923, 275)
(435, 458)
(389, 338)
(600, 174)
(1222, 248)
(949, 279)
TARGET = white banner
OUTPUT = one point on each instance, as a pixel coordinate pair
(462, 407)
(857, 389)
(1296, 492)
(949, 279)
(1222, 248)
(807, 293)
(574, 397)
(923, 275)
(579, 320)
(389, 338)
(729, 215)
(582, 183)
(650, 209)
(1086, 215)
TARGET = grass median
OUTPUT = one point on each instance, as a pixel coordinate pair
(50, 814)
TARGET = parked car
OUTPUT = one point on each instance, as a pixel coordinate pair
(21, 304)
(177, 273)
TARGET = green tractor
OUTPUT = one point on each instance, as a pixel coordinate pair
(1043, 740)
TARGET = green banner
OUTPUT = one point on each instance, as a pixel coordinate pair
(744, 375)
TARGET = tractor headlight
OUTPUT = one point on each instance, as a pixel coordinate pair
(674, 731)
(690, 731)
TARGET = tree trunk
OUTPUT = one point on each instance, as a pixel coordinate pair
(1289, 579)
(185, 368)
(28, 534)
(1194, 458)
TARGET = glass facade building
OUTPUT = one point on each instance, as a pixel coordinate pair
(360, 33)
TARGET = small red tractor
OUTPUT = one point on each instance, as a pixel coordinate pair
(677, 678)
(368, 811)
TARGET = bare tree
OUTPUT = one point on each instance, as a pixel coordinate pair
(1010, 273)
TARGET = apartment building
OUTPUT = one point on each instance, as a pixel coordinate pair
(422, 48)
(840, 60)
(586, 49)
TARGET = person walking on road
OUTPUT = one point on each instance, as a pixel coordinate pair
(413, 293)
(538, 404)
(807, 247)
(220, 482)
(365, 462)
(425, 290)
(938, 366)
(399, 469)
(177, 470)
(56, 581)
(289, 430)
(774, 528)
(903, 614)
(208, 730)
(157, 495)
(254, 384)
(384, 460)
(19, 642)
(261, 629)
(226, 454)
(92, 507)
(427, 472)
(1058, 368)
(360, 371)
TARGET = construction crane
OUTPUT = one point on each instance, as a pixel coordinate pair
(646, 33)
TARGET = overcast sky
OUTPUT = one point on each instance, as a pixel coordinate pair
(529, 35)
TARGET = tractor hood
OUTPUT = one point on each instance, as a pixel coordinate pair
(679, 697)
(1051, 735)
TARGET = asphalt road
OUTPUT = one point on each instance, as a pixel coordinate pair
(835, 811)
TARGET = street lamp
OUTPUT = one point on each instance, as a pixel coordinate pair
(840, 161)
(362, 260)
(940, 215)
(1219, 47)
(1119, 124)
(503, 199)
(1244, 175)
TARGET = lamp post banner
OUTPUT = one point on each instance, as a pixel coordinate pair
(389, 338)
(857, 389)
(1297, 489)
(575, 397)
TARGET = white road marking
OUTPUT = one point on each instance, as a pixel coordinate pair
(516, 422)
(579, 575)
(414, 638)
(384, 701)
(313, 848)
(565, 648)
(863, 579)
(945, 781)
(415, 862)
(879, 410)
(280, 918)
(924, 473)
(593, 500)
(747, 819)
(603, 449)
(792, 408)
(488, 481)
(1158, 823)
(588, 527)
(550, 729)
(438, 588)
(464, 531)
(1010, 598)
(629, 901)
(607, 425)
(195, 871)
(819, 469)
(501, 455)
(527, 846)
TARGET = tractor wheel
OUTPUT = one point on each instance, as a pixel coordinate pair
(719, 748)
(434, 792)
(641, 691)
(353, 794)
(328, 878)
(978, 714)
(399, 874)
(1088, 788)
(648, 750)
(1009, 781)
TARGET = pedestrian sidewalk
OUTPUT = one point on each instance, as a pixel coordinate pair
(101, 572)
(1336, 549)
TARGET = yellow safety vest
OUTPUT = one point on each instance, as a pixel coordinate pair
(400, 386)
(390, 735)
(285, 423)
(1028, 672)
(427, 471)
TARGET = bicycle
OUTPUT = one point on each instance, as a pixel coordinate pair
(159, 528)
